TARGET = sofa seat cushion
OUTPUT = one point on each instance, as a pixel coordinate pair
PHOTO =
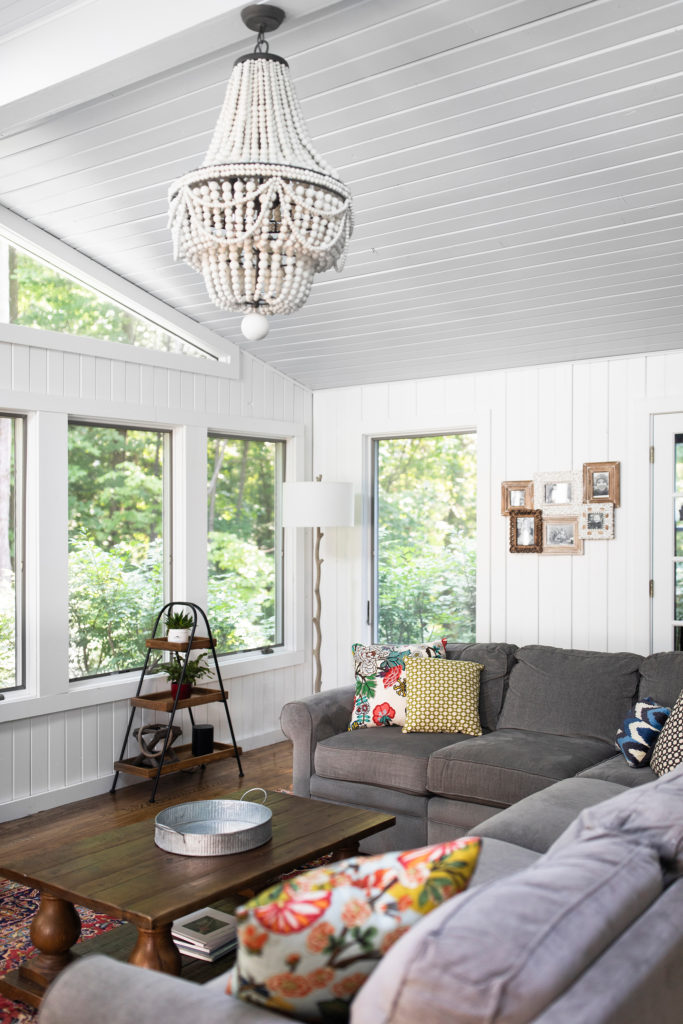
(570, 693)
(381, 757)
(506, 765)
(615, 769)
(538, 820)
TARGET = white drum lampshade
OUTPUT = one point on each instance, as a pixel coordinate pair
(317, 503)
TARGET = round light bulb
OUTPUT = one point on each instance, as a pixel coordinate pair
(255, 326)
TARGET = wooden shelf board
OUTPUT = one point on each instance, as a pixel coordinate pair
(185, 760)
(165, 645)
(163, 700)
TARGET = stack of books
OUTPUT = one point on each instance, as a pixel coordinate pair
(206, 934)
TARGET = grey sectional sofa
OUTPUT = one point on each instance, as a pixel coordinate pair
(548, 714)
(567, 920)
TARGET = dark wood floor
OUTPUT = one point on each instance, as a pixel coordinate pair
(270, 767)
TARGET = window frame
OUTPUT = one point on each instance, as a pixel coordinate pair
(166, 527)
(281, 448)
(19, 443)
(372, 616)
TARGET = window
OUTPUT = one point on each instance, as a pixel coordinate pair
(42, 296)
(245, 542)
(425, 538)
(11, 553)
(118, 544)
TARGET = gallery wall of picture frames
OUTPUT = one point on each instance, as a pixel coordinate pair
(554, 513)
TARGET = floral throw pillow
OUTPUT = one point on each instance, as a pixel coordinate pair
(307, 944)
(380, 681)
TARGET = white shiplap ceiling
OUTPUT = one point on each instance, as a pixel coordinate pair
(516, 169)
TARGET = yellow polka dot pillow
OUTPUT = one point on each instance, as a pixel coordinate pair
(442, 696)
(307, 944)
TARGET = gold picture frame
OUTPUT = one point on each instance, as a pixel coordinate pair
(526, 531)
(601, 482)
(516, 494)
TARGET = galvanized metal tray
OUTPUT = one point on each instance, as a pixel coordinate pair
(212, 828)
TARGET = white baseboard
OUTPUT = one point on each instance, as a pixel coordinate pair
(95, 787)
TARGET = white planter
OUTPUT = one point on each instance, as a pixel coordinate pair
(178, 636)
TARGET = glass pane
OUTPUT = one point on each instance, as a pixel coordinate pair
(678, 462)
(42, 296)
(678, 597)
(426, 538)
(678, 526)
(8, 555)
(243, 488)
(116, 545)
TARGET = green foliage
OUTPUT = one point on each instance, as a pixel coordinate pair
(7, 642)
(43, 297)
(179, 620)
(242, 552)
(114, 596)
(426, 565)
(195, 669)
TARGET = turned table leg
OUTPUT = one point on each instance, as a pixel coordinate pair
(54, 929)
(156, 950)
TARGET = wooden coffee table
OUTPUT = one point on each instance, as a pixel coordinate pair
(122, 873)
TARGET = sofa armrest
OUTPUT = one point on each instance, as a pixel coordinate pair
(311, 719)
(99, 988)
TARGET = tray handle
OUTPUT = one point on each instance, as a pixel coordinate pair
(255, 789)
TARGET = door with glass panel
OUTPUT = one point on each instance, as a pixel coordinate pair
(667, 533)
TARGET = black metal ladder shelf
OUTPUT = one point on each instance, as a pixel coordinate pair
(169, 703)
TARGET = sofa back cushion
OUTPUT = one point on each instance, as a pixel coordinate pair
(497, 660)
(505, 951)
(661, 677)
(570, 693)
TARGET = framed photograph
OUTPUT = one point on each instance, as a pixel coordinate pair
(526, 531)
(558, 492)
(601, 482)
(561, 536)
(516, 494)
(596, 521)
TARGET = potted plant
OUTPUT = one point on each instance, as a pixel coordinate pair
(194, 670)
(178, 626)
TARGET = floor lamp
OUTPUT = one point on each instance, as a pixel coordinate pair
(317, 504)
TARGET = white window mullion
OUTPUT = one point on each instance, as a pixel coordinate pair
(47, 555)
(189, 515)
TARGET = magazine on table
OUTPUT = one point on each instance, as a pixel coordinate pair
(203, 954)
(206, 930)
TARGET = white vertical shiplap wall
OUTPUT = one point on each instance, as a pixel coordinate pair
(50, 758)
(530, 420)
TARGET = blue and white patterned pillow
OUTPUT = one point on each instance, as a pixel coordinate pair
(640, 730)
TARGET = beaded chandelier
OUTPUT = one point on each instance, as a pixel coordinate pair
(265, 212)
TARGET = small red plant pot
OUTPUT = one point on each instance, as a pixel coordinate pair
(185, 690)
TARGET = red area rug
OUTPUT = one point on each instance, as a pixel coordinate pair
(17, 906)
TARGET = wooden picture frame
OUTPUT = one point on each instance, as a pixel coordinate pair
(516, 494)
(596, 521)
(526, 531)
(559, 492)
(601, 482)
(561, 536)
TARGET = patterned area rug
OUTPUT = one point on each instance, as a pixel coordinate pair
(17, 906)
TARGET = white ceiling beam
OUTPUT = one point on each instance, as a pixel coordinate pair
(90, 50)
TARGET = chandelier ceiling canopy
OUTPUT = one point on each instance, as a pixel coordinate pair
(265, 212)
